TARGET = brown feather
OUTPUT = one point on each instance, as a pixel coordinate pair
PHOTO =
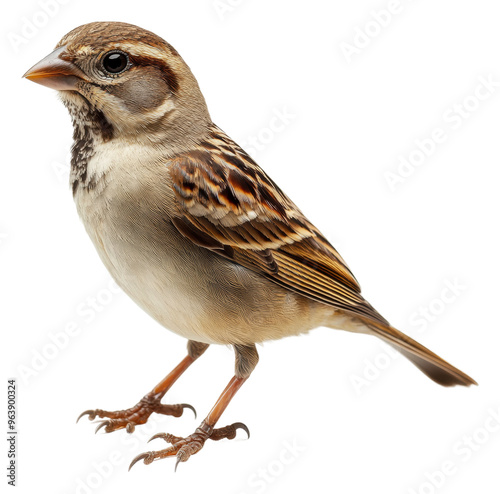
(428, 362)
(224, 196)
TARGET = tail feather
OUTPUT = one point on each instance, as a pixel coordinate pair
(428, 362)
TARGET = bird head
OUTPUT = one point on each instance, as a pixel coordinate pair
(120, 80)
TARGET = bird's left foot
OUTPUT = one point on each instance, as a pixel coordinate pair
(183, 448)
(138, 414)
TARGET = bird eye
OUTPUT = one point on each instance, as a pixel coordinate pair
(115, 62)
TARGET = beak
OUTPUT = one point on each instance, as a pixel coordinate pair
(55, 72)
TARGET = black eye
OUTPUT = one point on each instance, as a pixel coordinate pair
(115, 62)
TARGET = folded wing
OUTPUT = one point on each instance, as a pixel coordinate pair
(227, 204)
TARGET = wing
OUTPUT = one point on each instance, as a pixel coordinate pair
(227, 204)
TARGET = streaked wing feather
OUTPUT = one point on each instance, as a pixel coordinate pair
(226, 203)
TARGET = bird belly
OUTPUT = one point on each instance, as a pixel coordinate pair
(188, 289)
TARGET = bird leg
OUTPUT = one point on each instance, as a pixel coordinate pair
(183, 448)
(139, 413)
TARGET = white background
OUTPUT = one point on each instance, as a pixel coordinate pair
(353, 117)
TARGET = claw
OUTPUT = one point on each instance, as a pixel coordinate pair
(241, 425)
(104, 423)
(177, 463)
(186, 405)
(160, 435)
(184, 447)
(90, 413)
(143, 456)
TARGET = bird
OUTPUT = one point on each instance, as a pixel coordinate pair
(191, 228)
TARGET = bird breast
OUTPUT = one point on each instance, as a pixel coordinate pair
(188, 289)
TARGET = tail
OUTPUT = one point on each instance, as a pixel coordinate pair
(428, 362)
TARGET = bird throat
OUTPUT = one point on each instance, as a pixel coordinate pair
(90, 128)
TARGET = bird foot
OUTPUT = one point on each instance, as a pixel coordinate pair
(183, 448)
(138, 414)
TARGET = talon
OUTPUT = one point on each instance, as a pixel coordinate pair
(131, 417)
(185, 447)
(177, 463)
(160, 435)
(104, 423)
(186, 405)
(147, 457)
(90, 413)
(241, 425)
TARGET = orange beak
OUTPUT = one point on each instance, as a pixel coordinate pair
(56, 73)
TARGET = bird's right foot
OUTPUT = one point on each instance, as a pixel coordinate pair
(184, 447)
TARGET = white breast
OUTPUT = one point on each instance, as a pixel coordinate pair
(123, 216)
(186, 288)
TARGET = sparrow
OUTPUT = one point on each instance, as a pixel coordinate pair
(190, 227)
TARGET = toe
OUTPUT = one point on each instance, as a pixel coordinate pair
(90, 413)
(147, 457)
(241, 425)
(103, 423)
(169, 438)
(186, 405)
